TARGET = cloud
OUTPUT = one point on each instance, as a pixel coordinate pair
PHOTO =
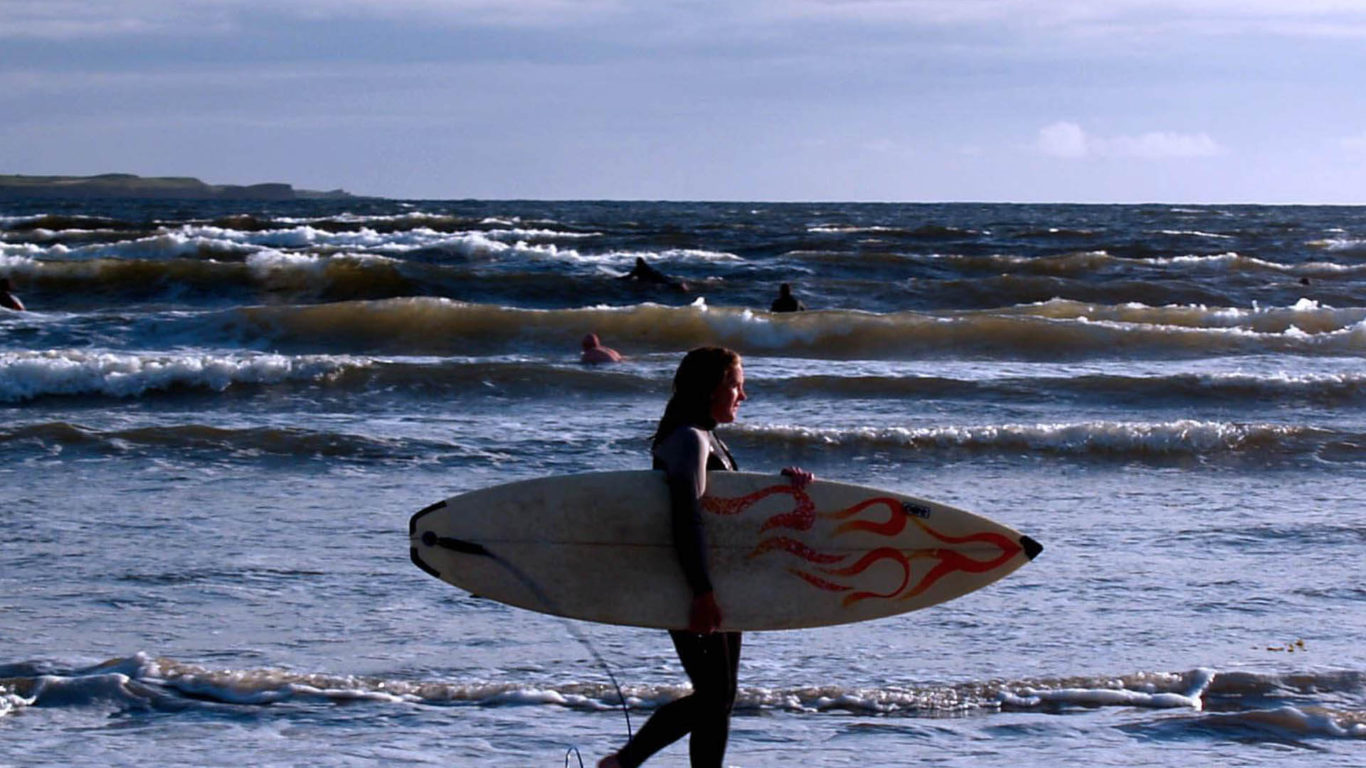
(1129, 19)
(1303, 18)
(1068, 140)
(1162, 144)
(84, 19)
(78, 19)
(1063, 140)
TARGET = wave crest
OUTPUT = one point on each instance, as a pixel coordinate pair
(1269, 701)
(1084, 440)
(28, 375)
(1054, 330)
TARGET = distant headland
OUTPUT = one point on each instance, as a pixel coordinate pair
(127, 186)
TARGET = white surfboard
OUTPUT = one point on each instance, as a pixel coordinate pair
(599, 547)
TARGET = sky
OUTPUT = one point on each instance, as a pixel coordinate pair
(1092, 101)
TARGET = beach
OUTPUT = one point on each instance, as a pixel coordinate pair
(216, 418)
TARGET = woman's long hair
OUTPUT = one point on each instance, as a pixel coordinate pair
(696, 379)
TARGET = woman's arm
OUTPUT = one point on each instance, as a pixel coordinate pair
(684, 455)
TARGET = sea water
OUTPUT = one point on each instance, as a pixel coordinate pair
(216, 420)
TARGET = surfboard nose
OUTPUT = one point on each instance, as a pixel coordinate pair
(1031, 547)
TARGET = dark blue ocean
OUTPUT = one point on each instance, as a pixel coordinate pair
(216, 420)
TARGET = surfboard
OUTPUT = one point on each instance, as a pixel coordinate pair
(599, 547)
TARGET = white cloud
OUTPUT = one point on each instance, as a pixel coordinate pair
(1162, 144)
(76, 19)
(1303, 18)
(1069, 140)
(1063, 140)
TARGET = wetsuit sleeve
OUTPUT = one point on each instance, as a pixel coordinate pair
(684, 458)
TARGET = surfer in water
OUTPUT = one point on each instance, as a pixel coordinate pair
(786, 302)
(644, 273)
(7, 298)
(594, 352)
(708, 388)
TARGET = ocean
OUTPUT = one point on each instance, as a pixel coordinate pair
(217, 418)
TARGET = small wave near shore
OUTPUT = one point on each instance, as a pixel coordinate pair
(1213, 702)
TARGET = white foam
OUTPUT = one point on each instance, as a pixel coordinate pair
(56, 234)
(1221, 261)
(293, 237)
(9, 222)
(26, 375)
(141, 681)
(839, 229)
(515, 233)
(1339, 244)
(692, 254)
(1195, 233)
(1305, 315)
(267, 261)
(1116, 693)
(18, 254)
(10, 701)
(478, 244)
(164, 245)
(1175, 437)
(413, 222)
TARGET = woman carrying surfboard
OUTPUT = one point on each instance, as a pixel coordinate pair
(708, 388)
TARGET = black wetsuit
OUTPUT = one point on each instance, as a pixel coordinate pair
(712, 661)
(648, 274)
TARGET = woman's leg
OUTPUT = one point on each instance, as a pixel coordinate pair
(714, 686)
(711, 662)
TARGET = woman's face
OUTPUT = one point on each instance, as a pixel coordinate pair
(725, 401)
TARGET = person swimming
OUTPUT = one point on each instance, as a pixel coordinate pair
(786, 302)
(594, 352)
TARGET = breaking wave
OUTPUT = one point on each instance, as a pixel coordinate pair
(1211, 700)
(1054, 330)
(1098, 440)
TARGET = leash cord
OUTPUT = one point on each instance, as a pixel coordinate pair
(573, 630)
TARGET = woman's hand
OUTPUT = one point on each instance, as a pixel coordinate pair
(704, 617)
(800, 477)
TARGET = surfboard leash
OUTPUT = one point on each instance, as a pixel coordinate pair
(473, 548)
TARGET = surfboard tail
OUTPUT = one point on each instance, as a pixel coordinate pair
(416, 557)
(427, 510)
(413, 552)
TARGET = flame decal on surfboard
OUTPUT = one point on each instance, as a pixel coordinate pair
(825, 571)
